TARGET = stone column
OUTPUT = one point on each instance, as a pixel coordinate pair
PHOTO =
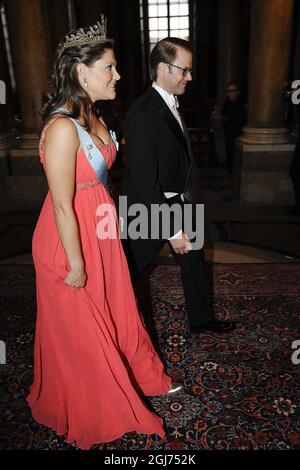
(271, 26)
(264, 150)
(229, 61)
(30, 48)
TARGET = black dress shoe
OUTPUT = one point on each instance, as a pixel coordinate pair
(216, 326)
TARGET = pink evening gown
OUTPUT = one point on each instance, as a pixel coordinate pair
(93, 359)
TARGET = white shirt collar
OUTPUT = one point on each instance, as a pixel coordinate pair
(170, 100)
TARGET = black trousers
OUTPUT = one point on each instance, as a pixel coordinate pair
(140, 253)
(195, 286)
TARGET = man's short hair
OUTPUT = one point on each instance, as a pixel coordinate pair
(166, 51)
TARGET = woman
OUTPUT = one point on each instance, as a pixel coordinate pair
(93, 357)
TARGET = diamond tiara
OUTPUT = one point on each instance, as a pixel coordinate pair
(94, 34)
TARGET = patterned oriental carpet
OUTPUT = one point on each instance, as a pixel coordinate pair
(241, 391)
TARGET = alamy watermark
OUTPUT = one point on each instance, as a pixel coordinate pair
(2, 92)
(159, 221)
(296, 354)
(296, 93)
(2, 352)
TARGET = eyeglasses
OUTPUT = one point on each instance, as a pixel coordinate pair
(231, 90)
(185, 71)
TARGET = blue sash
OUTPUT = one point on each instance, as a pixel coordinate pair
(91, 151)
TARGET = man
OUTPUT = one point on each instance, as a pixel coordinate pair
(158, 165)
(234, 119)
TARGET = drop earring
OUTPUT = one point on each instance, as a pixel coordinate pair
(85, 82)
